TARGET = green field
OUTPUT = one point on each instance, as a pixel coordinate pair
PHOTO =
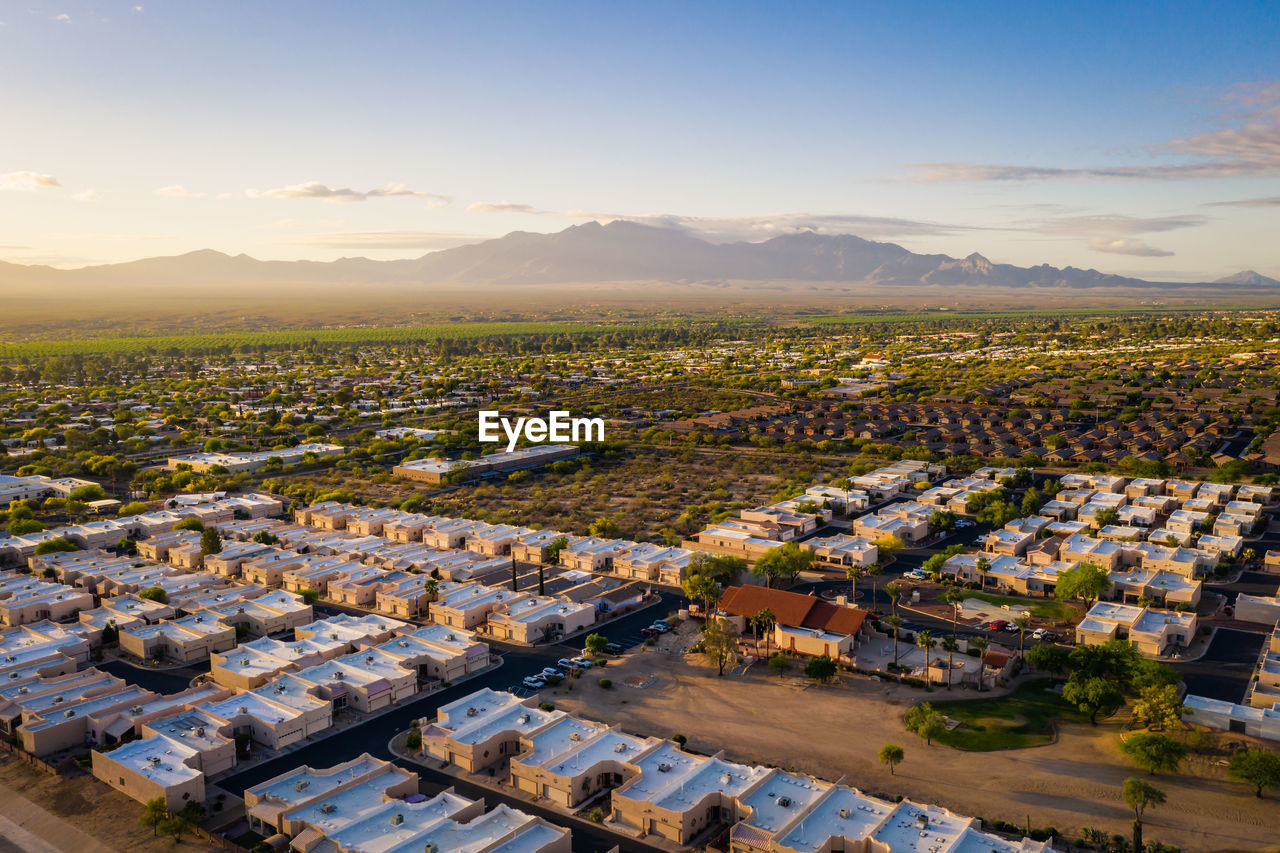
(231, 341)
(1041, 608)
(1022, 718)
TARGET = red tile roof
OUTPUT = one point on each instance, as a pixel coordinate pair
(792, 608)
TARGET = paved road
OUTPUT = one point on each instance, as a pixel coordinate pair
(1226, 667)
(157, 680)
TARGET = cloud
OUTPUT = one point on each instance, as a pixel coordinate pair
(763, 227)
(28, 181)
(1272, 201)
(62, 18)
(137, 8)
(508, 207)
(86, 195)
(178, 191)
(1113, 225)
(1247, 144)
(374, 240)
(317, 190)
(1127, 246)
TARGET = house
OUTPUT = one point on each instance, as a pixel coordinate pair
(803, 623)
(842, 550)
(1154, 633)
(191, 638)
(532, 619)
(368, 804)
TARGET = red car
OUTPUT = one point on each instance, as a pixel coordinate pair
(998, 625)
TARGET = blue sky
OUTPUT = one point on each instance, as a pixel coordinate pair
(1143, 139)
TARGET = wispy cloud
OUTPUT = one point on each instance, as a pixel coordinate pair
(509, 207)
(1127, 246)
(322, 192)
(86, 195)
(62, 18)
(1246, 145)
(1112, 225)
(178, 191)
(373, 240)
(28, 181)
(1272, 201)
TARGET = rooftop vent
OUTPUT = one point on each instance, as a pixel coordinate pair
(471, 712)
(619, 747)
(664, 767)
(783, 801)
(524, 719)
(575, 736)
(844, 813)
(397, 819)
(328, 808)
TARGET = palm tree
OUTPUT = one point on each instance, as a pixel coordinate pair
(926, 641)
(895, 622)
(950, 645)
(853, 573)
(981, 644)
(873, 571)
(983, 566)
(1022, 623)
(954, 597)
(766, 620)
(894, 589)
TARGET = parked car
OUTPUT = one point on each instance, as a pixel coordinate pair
(962, 522)
(581, 663)
(916, 575)
(660, 626)
(566, 664)
(548, 671)
(1038, 634)
(533, 682)
(997, 625)
(613, 649)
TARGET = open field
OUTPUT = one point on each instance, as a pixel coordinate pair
(79, 814)
(1041, 608)
(836, 732)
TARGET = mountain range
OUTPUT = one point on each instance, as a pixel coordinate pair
(619, 251)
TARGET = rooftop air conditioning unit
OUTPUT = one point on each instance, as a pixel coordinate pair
(242, 709)
(328, 808)
(70, 712)
(664, 767)
(574, 736)
(844, 813)
(471, 712)
(619, 747)
(524, 719)
(784, 801)
(136, 709)
(397, 819)
(57, 700)
(301, 785)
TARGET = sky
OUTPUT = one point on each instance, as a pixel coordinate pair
(1136, 138)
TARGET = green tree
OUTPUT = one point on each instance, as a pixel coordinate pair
(309, 596)
(981, 644)
(703, 589)
(174, 826)
(1139, 795)
(983, 567)
(154, 811)
(25, 526)
(155, 593)
(763, 623)
(553, 549)
(892, 755)
(1049, 658)
(596, 644)
(605, 528)
(1257, 767)
(719, 642)
(784, 561)
(893, 589)
(924, 721)
(894, 622)
(821, 669)
(1154, 753)
(852, 573)
(194, 524)
(1092, 695)
(50, 546)
(780, 663)
(1086, 582)
(210, 541)
(132, 508)
(1158, 707)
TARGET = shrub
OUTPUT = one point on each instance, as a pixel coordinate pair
(546, 706)
(606, 683)
(414, 741)
(679, 739)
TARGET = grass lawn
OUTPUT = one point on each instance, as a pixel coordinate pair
(1022, 718)
(1041, 608)
(248, 840)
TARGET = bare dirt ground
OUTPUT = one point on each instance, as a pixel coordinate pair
(78, 814)
(834, 732)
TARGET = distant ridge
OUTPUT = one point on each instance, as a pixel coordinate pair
(620, 251)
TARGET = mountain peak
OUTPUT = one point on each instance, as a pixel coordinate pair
(1250, 277)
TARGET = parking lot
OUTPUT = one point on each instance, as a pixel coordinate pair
(1226, 667)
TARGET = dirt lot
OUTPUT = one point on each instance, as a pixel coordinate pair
(834, 732)
(78, 814)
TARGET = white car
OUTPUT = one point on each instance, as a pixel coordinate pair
(916, 575)
(533, 682)
(548, 671)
